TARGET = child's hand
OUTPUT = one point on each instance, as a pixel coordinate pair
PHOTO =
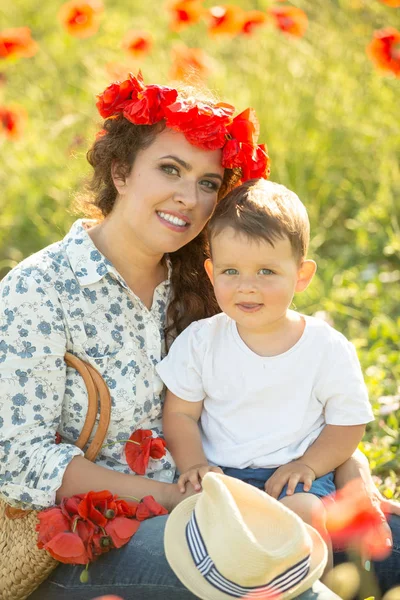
(194, 475)
(290, 474)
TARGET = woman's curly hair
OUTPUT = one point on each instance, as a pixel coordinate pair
(192, 295)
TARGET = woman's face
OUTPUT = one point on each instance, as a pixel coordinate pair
(170, 193)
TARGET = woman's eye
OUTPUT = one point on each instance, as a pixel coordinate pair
(170, 169)
(266, 272)
(230, 272)
(211, 185)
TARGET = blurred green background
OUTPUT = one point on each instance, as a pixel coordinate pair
(331, 123)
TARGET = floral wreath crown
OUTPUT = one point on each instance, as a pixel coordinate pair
(207, 126)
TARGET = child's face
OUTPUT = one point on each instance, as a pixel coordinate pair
(254, 282)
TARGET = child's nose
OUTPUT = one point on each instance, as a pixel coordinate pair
(247, 284)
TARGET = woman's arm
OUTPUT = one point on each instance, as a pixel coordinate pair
(357, 466)
(82, 476)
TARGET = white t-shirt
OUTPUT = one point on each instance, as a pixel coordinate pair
(265, 411)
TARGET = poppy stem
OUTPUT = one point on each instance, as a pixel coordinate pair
(120, 442)
(129, 498)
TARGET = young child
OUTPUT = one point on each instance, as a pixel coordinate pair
(279, 396)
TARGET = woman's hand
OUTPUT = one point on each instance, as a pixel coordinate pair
(173, 496)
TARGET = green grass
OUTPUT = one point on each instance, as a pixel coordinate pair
(331, 124)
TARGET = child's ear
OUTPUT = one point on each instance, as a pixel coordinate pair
(209, 269)
(305, 274)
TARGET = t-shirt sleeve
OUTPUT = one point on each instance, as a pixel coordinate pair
(181, 369)
(342, 390)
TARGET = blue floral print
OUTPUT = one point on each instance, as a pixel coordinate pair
(69, 298)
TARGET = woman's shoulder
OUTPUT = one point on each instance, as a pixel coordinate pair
(46, 264)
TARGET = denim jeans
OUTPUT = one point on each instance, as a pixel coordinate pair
(137, 571)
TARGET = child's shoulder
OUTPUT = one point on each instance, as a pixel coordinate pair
(321, 329)
(211, 325)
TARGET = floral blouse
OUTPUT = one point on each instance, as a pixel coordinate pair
(69, 298)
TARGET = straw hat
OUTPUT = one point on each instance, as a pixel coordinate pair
(235, 541)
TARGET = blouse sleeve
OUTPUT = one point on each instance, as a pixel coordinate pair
(32, 381)
(181, 369)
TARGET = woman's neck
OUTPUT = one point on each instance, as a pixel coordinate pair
(141, 270)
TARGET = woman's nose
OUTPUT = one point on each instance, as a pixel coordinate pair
(187, 194)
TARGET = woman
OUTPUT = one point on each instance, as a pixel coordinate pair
(108, 293)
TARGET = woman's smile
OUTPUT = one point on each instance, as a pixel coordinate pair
(173, 220)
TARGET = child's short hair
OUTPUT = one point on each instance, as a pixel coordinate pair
(266, 210)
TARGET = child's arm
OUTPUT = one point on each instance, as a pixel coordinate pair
(334, 445)
(182, 434)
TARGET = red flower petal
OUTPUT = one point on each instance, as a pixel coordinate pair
(149, 107)
(137, 452)
(51, 522)
(245, 127)
(115, 97)
(94, 505)
(149, 508)
(121, 530)
(157, 448)
(68, 548)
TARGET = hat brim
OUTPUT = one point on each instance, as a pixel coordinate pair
(181, 561)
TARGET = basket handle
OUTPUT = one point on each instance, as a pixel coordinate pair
(98, 393)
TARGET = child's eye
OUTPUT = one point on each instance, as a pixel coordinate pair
(170, 169)
(230, 272)
(266, 272)
(211, 185)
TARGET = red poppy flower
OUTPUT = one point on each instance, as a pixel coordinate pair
(245, 127)
(289, 19)
(189, 61)
(393, 3)
(203, 126)
(384, 50)
(353, 520)
(121, 530)
(81, 17)
(94, 505)
(148, 508)
(150, 104)
(184, 13)
(251, 159)
(12, 121)
(115, 97)
(251, 20)
(126, 508)
(137, 43)
(142, 446)
(225, 20)
(17, 42)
